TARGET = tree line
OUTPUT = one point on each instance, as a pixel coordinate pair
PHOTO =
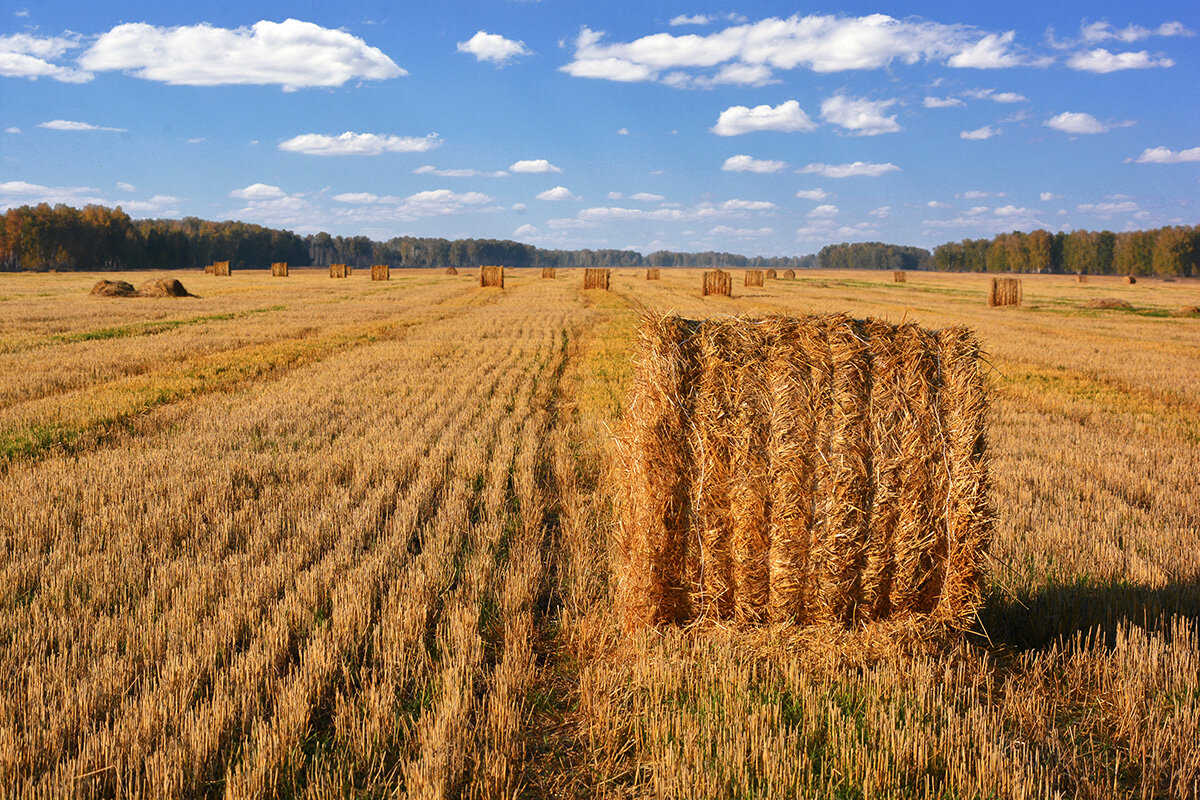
(1168, 251)
(873, 255)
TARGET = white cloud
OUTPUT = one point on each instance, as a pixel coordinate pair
(15, 193)
(986, 132)
(646, 197)
(493, 47)
(812, 194)
(745, 163)
(557, 193)
(1102, 61)
(695, 19)
(825, 210)
(861, 116)
(12, 129)
(126, 187)
(1106, 210)
(747, 205)
(975, 194)
(741, 233)
(1101, 31)
(622, 131)
(1077, 123)
(787, 116)
(1163, 155)
(880, 212)
(976, 210)
(69, 125)
(996, 97)
(357, 198)
(851, 170)
(26, 56)
(292, 54)
(1046, 197)
(821, 43)
(534, 166)
(258, 191)
(429, 169)
(1013, 211)
(358, 144)
(520, 208)
(937, 204)
(525, 230)
(942, 102)
(615, 196)
(158, 204)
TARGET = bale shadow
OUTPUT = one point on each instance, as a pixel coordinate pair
(1050, 614)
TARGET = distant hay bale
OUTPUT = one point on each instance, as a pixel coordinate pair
(381, 272)
(771, 274)
(899, 276)
(210, 269)
(754, 277)
(1188, 311)
(1081, 278)
(104, 288)
(1004, 292)
(279, 269)
(221, 268)
(1130, 279)
(717, 281)
(163, 287)
(451, 271)
(596, 278)
(491, 276)
(652, 274)
(802, 470)
(1107, 302)
(338, 271)
(789, 274)
(548, 272)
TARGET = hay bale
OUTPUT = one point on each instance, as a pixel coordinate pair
(338, 271)
(1107, 302)
(789, 274)
(279, 269)
(1004, 292)
(451, 271)
(163, 287)
(753, 277)
(803, 470)
(770, 274)
(104, 288)
(221, 269)
(1187, 311)
(652, 274)
(210, 269)
(717, 281)
(381, 272)
(1080, 278)
(899, 276)
(1129, 279)
(491, 276)
(596, 278)
(548, 273)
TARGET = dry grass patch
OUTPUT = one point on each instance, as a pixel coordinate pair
(899, 276)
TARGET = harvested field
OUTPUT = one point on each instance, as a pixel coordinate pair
(105, 288)
(280, 540)
(716, 281)
(596, 278)
(163, 287)
(491, 276)
(753, 277)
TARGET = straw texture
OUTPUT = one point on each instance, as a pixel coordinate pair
(652, 274)
(1005, 292)
(753, 277)
(338, 271)
(279, 269)
(549, 272)
(717, 281)
(491, 276)
(900, 276)
(596, 278)
(381, 272)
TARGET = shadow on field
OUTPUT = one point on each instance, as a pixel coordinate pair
(1051, 613)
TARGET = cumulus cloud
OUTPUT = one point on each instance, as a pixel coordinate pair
(996, 97)
(880, 212)
(1106, 210)
(537, 165)
(851, 170)
(745, 163)
(1102, 31)
(358, 198)
(937, 204)
(1077, 122)
(358, 144)
(819, 42)
(622, 131)
(824, 210)
(942, 102)
(646, 197)
(12, 129)
(292, 54)
(812, 194)
(23, 55)
(1013, 211)
(429, 169)
(1163, 155)
(16, 193)
(493, 47)
(70, 125)
(741, 233)
(557, 193)
(1101, 60)
(695, 19)
(747, 205)
(986, 132)
(525, 230)
(1046, 197)
(258, 191)
(860, 116)
(787, 117)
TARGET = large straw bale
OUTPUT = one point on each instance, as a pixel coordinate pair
(652, 274)
(899, 276)
(771, 274)
(451, 271)
(717, 281)
(221, 268)
(279, 269)
(789, 274)
(381, 272)
(491, 276)
(596, 278)
(1081, 278)
(802, 470)
(163, 287)
(549, 273)
(338, 271)
(210, 269)
(1130, 279)
(105, 288)
(1004, 292)
(753, 277)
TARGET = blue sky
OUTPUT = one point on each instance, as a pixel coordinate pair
(759, 128)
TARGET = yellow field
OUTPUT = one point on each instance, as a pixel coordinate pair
(312, 538)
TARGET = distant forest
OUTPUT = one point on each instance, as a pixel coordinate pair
(95, 237)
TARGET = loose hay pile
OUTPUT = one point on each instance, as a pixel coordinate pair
(596, 278)
(163, 287)
(652, 274)
(1005, 292)
(754, 277)
(1107, 302)
(381, 272)
(811, 470)
(451, 271)
(771, 274)
(491, 276)
(1186, 311)
(221, 268)
(114, 289)
(549, 273)
(789, 274)
(279, 269)
(899, 276)
(338, 271)
(717, 281)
